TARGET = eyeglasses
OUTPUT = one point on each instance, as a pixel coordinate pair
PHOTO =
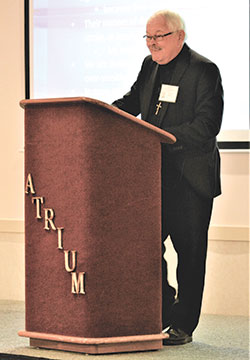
(157, 37)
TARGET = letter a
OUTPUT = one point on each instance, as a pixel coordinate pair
(29, 185)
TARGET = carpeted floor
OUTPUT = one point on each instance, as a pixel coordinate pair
(216, 338)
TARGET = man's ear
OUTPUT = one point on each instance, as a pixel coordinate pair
(181, 35)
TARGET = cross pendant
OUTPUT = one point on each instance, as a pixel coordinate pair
(158, 107)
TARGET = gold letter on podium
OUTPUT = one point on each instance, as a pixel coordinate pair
(59, 238)
(29, 185)
(38, 200)
(73, 261)
(49, 216)
(78, 285)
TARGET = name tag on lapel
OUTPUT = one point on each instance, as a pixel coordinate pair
(168, 93)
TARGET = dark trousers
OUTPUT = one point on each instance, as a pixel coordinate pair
(185, 217)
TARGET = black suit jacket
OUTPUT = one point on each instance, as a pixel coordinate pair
(195, 118)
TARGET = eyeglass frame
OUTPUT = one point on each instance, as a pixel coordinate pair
(157, 37)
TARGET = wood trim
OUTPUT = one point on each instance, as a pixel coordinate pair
(95, 345)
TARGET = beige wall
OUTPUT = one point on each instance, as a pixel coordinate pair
(227, 275)
(227, 281)
(11, 150)
(11, 124)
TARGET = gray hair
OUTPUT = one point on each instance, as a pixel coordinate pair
(173, 20)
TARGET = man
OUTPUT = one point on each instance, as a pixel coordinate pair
(180, 91)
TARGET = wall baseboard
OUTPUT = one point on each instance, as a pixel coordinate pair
(229, 233)
(216, 233)
(11, 226)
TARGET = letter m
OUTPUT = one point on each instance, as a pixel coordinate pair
(78, 283)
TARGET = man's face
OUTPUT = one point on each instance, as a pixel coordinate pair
(167, 48)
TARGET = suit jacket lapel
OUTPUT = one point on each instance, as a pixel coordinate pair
(180, 68)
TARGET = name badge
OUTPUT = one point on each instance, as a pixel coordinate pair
(168, 93)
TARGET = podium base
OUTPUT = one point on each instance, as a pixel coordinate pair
(95, 345)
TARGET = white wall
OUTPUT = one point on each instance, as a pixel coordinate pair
(227, 281)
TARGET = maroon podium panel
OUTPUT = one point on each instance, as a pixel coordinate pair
(92, 227)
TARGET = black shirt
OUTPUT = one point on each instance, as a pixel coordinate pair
(164, 75)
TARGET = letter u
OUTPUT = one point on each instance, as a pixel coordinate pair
(68, 262)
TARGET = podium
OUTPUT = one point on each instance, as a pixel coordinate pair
(92, 227)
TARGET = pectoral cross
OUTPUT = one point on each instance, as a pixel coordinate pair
(158, 107)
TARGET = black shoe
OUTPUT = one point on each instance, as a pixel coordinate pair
(176, 337)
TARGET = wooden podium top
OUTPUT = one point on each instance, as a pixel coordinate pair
(166, 137)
